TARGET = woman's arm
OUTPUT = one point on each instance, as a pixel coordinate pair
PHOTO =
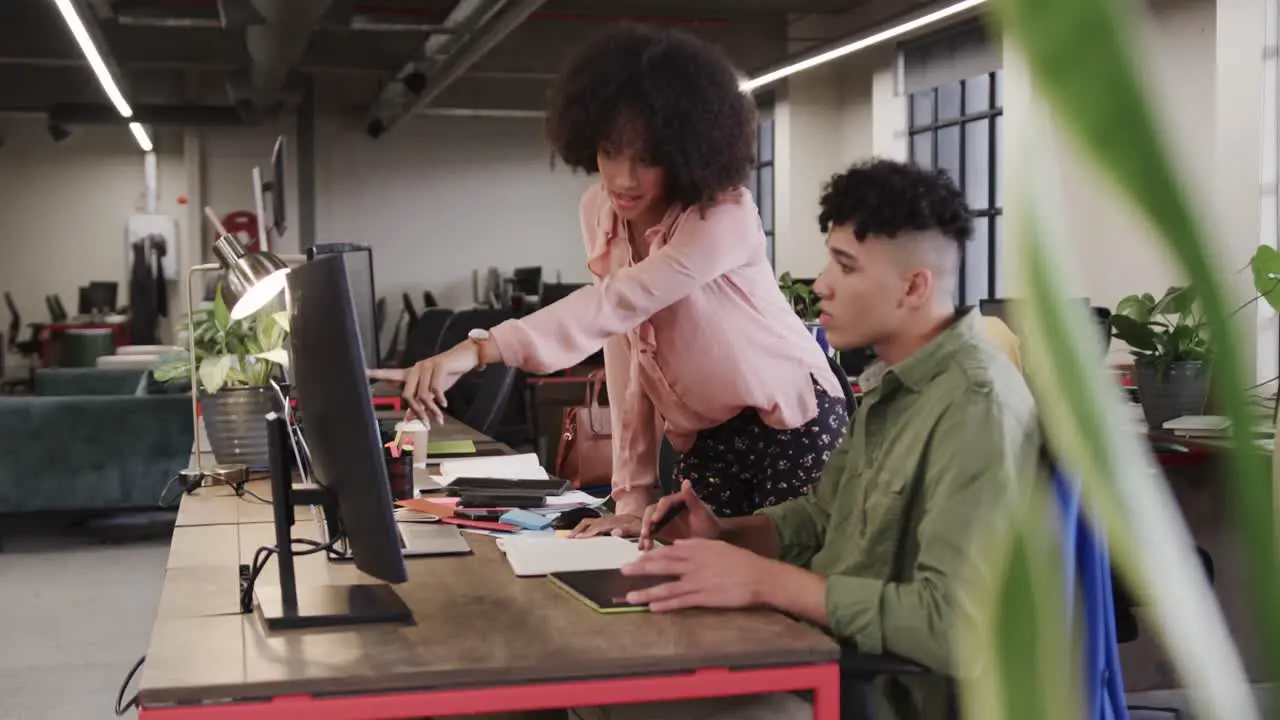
(634, 426)
(703, 247)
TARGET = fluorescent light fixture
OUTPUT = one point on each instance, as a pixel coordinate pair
(94, 57)
(856, 45)
(140, 134)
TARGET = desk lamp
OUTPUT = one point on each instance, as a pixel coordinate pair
(252, 280)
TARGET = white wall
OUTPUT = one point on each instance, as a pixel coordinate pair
(440, 197)
(63, 209)
(827, 119)
(1116, 252)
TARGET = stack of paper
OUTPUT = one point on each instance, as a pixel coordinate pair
(541, 555)
(507, 467)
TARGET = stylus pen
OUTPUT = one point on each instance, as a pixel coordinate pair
(672, 514)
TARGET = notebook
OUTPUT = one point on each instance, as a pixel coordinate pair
(531, 556)
(606, 590)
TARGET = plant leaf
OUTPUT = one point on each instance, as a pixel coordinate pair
(1138, 307)
(1265, 267)
(282, 319)
(221, 315)
(214, 372)
(279, 356)
(1075, 51)
(1135, 334)
(1027, 666)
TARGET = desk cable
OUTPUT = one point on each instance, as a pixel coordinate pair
(264, 553)
(133, 701)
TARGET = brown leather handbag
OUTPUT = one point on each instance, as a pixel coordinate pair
(585, 456)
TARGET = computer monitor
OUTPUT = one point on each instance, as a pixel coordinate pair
(527, 280)
(346, 458)
(555, 292)
(358, 261)
(97, 297)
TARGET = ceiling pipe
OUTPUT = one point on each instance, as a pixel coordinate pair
(398, 96)
(475, 47)
(103, 114)
(275, 47)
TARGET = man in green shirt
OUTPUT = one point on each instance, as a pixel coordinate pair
(876, 554)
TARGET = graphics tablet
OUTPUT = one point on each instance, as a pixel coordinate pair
(606, 590)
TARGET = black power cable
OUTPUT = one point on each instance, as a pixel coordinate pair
(133, 701)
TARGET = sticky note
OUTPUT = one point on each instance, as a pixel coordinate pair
(450, 447)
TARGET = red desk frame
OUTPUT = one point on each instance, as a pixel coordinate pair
(822, 679)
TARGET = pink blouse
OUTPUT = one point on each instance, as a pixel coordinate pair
(693, 334)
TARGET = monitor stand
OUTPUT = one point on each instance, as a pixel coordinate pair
(313, 606)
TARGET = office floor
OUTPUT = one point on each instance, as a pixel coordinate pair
(77, 613)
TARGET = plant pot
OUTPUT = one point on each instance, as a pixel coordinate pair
(1181, 391)
(235, 421)
(820, 336)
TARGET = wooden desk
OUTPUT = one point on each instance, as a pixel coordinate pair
(483, 640)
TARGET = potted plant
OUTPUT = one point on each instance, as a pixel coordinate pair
(235, 361)
(805, 302)
(1170, 346)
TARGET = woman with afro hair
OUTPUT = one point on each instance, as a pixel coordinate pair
(699, 341)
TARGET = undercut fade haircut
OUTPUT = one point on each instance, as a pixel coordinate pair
(675, 93)
(888, 198)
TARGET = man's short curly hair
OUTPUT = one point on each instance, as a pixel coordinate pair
(888, 198)
(680, 93)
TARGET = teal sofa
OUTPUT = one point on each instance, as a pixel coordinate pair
(91, 439)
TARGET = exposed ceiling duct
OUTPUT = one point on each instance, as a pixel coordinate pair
(479, 25)
(275, 46)
(103, 114)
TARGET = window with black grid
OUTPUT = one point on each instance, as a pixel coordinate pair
(957, 127)
(761, 180)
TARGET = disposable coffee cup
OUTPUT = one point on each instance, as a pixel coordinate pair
(415, 433)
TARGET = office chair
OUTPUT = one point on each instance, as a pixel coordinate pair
(409, 312)
(379, 317)
(850, 402)
(424, 340)
(429, 300)
(492, 396)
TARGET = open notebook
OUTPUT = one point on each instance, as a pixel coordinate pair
(531, 556)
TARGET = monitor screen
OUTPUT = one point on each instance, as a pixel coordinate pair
(358, 262)
(337, 414)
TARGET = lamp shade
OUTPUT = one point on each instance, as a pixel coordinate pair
(252, 280)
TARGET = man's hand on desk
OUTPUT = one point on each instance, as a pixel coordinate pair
(713, 574)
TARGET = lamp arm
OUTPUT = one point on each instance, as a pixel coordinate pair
(192, 372)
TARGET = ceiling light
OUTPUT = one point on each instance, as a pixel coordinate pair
(856, 45)
(91, 54)
(140, 134)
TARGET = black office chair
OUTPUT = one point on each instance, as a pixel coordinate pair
(466, 391)
(850, 402)
(493, 393)
(429, 300)
(858, 670)
(379, 317)
(424, 340)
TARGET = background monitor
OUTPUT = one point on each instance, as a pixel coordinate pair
(98, 297)
(279, 216)
(527, 280)
(337, 414)
(358, 261)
